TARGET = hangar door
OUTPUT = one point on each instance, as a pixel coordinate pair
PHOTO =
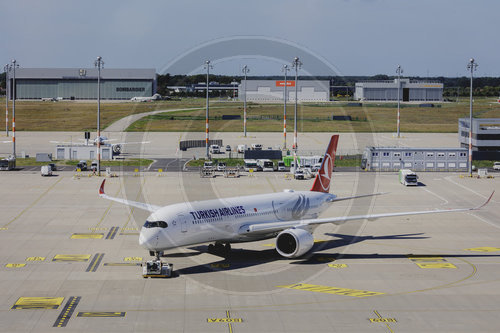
(406, 94)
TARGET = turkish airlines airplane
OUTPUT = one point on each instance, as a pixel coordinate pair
(289, 216)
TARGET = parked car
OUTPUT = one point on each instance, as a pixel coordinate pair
(496, 166)
(228, 148)
(299, 174)
(93, 166)
(53, 166)
(221, 166)
(256, 146)
(281, 166)
(208, 165)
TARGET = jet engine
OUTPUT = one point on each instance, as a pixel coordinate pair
(117, 149)
(293, 243)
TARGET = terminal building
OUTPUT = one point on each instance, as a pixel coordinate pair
(273, 91)
(416, 159)
(81, 83)
(411, 91)
(485, 137)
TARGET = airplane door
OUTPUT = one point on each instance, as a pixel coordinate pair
(183, 220)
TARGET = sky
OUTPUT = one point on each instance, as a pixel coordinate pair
(353, 37)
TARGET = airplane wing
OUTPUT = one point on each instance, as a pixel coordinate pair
(140, 205)
(265, 228)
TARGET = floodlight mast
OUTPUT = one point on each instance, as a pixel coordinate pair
(296, 64)
(399, 71)
(472, 66)
(207, 135)
(13, 66)
(6, 69)
(284, 69)
(245, 71)
(99, 64)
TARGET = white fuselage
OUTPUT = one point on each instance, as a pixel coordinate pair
(221, 220)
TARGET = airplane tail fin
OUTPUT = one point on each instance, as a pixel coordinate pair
(322, 180)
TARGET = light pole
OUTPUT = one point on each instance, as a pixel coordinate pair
(6, 69)
(245, 71)
(399, 70)
(207, 66)
(296, 64)
(472, 65)
(284, 69)
(14, 65)
(99, 63)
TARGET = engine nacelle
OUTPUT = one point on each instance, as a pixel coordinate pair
(117, 149)
(293, 243)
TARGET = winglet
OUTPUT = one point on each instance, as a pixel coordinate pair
(486, 202)
(322, 180)
(101, 189)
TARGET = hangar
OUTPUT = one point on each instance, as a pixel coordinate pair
(272, 90)
(387, 90)
(81, 83)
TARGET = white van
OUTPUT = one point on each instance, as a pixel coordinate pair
(46, 170)
(256, 146)
(242, 148)
(281, 166)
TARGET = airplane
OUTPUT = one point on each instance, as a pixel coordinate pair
(146, 99)
(290, 217)
(103, 140)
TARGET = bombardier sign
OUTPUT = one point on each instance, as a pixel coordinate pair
(288, 83)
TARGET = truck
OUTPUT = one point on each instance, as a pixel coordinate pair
(408, 177)
(242, 148)
(250, 165)
(265, 165)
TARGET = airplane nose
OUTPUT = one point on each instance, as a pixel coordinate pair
(148, 239)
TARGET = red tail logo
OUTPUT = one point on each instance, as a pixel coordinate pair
(322, 180)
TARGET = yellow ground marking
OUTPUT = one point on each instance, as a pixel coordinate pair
(101, 314)
(14, 265)
(484, 249)
(130, 229)
(132, 209)
(132, 259)
(67, 311)
(331, 290)
(71, 257)
(98, 229)
(386, 321)
(122, 264)
(107, 210)
(431, 262)
(4, 228)
(337, 265)
(87, 236)
(38, 303)
(227, 320)
(35, 259)
(435, 265)
(34, 202)
(325, 259)
(220, 265)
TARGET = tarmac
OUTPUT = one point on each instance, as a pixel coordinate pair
(70, 260)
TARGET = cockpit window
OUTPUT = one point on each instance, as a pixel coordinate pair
(155, 224)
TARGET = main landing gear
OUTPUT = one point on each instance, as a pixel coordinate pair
(219, 249)
(156, 268)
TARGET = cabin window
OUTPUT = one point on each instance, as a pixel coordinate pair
(155, 224)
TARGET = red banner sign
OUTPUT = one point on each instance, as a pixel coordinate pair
(288, 83)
